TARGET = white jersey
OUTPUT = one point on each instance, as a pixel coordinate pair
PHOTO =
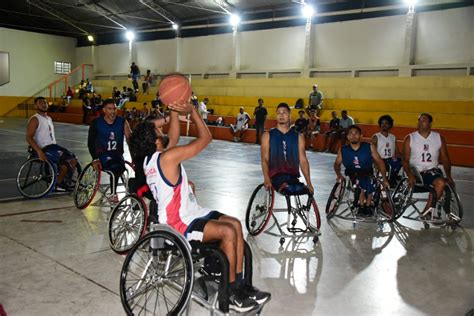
(424, 152)
(386, 145)
(177, 205)
(44, 134)
(241, 119)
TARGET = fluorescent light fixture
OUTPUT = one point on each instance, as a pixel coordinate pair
(130, 35)
(307, 10)
(174, 26)
(410, 2)
(234, 20)
(90, 38)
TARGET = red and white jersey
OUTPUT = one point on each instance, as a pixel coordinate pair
(424, 152)
(44, 134)
(386, 145)
(177, 205)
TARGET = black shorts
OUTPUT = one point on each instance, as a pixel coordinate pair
(429, 176)
(195, 230)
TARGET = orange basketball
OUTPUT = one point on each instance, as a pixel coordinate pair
(175, 88)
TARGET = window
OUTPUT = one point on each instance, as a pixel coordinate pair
(61, 67)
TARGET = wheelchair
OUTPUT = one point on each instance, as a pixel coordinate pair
(446, 211)
(37, 178)
(90, 182)
(343, 203)
(303, 219)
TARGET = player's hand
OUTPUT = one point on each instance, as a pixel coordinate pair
(182, 107)
(385, 183)
(411, 180)
(310, 188)
(42, 156)
(96, 165)
(267, 183)
(339, 179)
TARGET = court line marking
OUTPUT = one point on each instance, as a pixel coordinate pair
(23, 133)
(37, 211)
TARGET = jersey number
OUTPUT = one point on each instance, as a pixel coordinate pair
(111, 145)
(426, 157)
(388, 152)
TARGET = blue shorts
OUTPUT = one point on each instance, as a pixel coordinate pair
(395, 165)
(195, 230)
(112, 163)
(289, 184)
(429, 176)
(366, 183)
(58, 155)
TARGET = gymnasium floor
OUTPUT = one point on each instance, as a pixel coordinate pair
(55, 259)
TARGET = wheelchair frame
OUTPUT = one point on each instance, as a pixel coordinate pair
(300, 210)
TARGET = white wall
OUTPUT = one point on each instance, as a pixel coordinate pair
(158, 56)
(369, 42)
(112, 59)
(281, 48)
(32, 57)
(207, 53)
(445, 37)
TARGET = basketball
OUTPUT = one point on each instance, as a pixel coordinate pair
(174, 88)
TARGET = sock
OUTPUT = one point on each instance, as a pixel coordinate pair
(239, 278)
(234, 285)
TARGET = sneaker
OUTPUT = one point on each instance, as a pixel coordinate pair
(364, 211)
(240, 302)
(259, 296)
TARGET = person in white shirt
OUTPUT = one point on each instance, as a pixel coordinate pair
(386, 144)
(423, 150)
(203, 109)
(241, 125)
(40, 136)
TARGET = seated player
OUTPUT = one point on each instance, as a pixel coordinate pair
(178, 207)
(241, 125)
(386, 144)
(40, 136)
(423, 150)
(358, 158)
(283, 151)
(105, 143)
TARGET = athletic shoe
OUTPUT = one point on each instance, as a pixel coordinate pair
(259, 296)
(240, 302)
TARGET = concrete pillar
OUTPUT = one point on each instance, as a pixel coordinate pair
(409, 49)
(179, 54)
(308, 48)
(235, 53)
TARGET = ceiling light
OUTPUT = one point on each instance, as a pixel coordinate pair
(234, 20)
(130, 35)
(90, 38)
(307, 10)
(174, 26)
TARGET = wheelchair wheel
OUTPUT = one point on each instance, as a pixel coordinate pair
(401, 197)
(259, 210)
(157, 275)
(127, 223)
(36, 178)
(86, 187)
(314, 221)
(385, 204)
(453, 204)
(335, 198)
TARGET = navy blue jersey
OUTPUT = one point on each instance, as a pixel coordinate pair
(357, 160)
(284, 153)
(105, 138)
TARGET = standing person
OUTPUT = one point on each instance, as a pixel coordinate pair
(315, 100)
(386, 144)
(105, 142)
(241, 125)
(40, 136)
(283, 153)
(203, 109)
(178, 207)
(260, 115)
(422, 151)
(135, 74)
(148, 81)
(333, 134)
(358, 158)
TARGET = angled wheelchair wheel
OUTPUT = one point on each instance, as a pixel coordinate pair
(86, 187)
(453, 206)
(157, 275)
(385, 204)
(335, 198)
(401, 198)
(36, 178)
(127, 223)
(259, 210)
(314, 220)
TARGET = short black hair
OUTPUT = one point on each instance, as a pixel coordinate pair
(300, 111)
(344, 111)
(387, 118)
(142, 141)
(39, 98)
(260, 100)
(107, 101)
(283, 105)
(354, 127)
(429, 116)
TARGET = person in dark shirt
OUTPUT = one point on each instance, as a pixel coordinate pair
(260, 115)
(301, 123)
(332, 134)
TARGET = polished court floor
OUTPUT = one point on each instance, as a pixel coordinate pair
(55, 259)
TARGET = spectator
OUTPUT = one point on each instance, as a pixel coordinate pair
(135, 75)
(86, 107)
(115, 93)
(157, 102)
(89, 86)
(82, 89)
(148, 81)
(134, 118)
(194, 100)
(345, 122)
(314, 127)
(241, 125)
(220, 121)
(333, 134)
(301, 124)
(315, 101)
(145, 112)
(69, 95)
(202, 110)
(260, 115)
(131, 95)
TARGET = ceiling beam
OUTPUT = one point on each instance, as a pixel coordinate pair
(96, 7)
(160, 11)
